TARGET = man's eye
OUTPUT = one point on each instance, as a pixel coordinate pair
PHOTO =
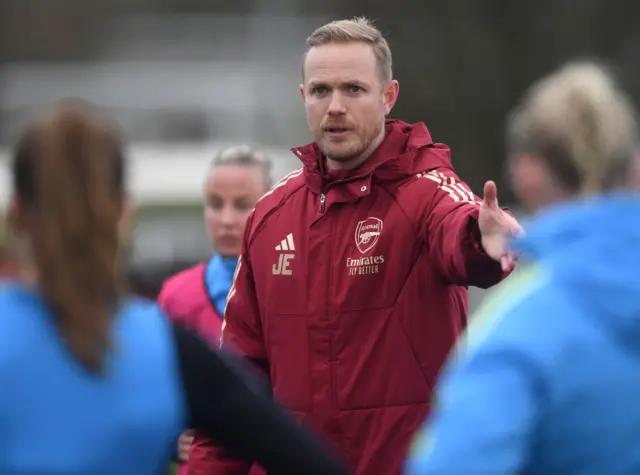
(355, 88)
(319, 90)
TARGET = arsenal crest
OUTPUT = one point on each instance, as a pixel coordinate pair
(367, 234)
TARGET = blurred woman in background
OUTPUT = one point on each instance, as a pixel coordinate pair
(237, 178)
(547, 380)
(95, 382)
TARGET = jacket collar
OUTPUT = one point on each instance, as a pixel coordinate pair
(397, 157)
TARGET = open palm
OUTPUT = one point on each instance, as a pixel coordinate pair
(497, 228)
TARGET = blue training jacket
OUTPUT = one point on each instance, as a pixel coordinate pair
(548, 379)
(57, 419)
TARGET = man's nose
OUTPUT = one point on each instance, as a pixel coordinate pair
(336, 106)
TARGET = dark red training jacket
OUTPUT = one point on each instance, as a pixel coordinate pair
(353, 291)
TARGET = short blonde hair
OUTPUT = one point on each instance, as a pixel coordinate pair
(245, 156)
(358, 29)
(581, 123)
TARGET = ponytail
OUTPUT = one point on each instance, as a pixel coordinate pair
(68, 173)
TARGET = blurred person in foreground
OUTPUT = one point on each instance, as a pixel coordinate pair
(196, 297)
(352, 283)
(547, 380)
(95, 382)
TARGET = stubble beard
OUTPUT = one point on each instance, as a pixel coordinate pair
(344, 155)
(354, 152)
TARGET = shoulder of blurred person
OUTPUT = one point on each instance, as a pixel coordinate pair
(183, 293)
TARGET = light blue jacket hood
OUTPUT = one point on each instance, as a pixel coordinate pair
(592, 249)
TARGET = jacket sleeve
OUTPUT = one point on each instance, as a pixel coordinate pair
(225, 402)
(485, 412)
(453, 235)
(208, 458)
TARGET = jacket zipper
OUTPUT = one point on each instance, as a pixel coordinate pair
(329, 309)
(333, 391)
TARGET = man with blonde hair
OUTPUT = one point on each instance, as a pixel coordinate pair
(352, 282)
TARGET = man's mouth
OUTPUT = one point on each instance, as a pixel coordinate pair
(336, 130)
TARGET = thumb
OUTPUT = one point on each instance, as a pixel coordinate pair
(490, 198)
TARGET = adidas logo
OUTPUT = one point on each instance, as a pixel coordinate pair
(286, 244)
(286, 247)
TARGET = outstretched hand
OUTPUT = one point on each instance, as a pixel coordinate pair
(497, 228)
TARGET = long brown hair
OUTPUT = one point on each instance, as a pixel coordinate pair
(68, 176)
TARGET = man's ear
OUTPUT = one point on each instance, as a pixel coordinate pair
(390, 92)
(302, 91)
